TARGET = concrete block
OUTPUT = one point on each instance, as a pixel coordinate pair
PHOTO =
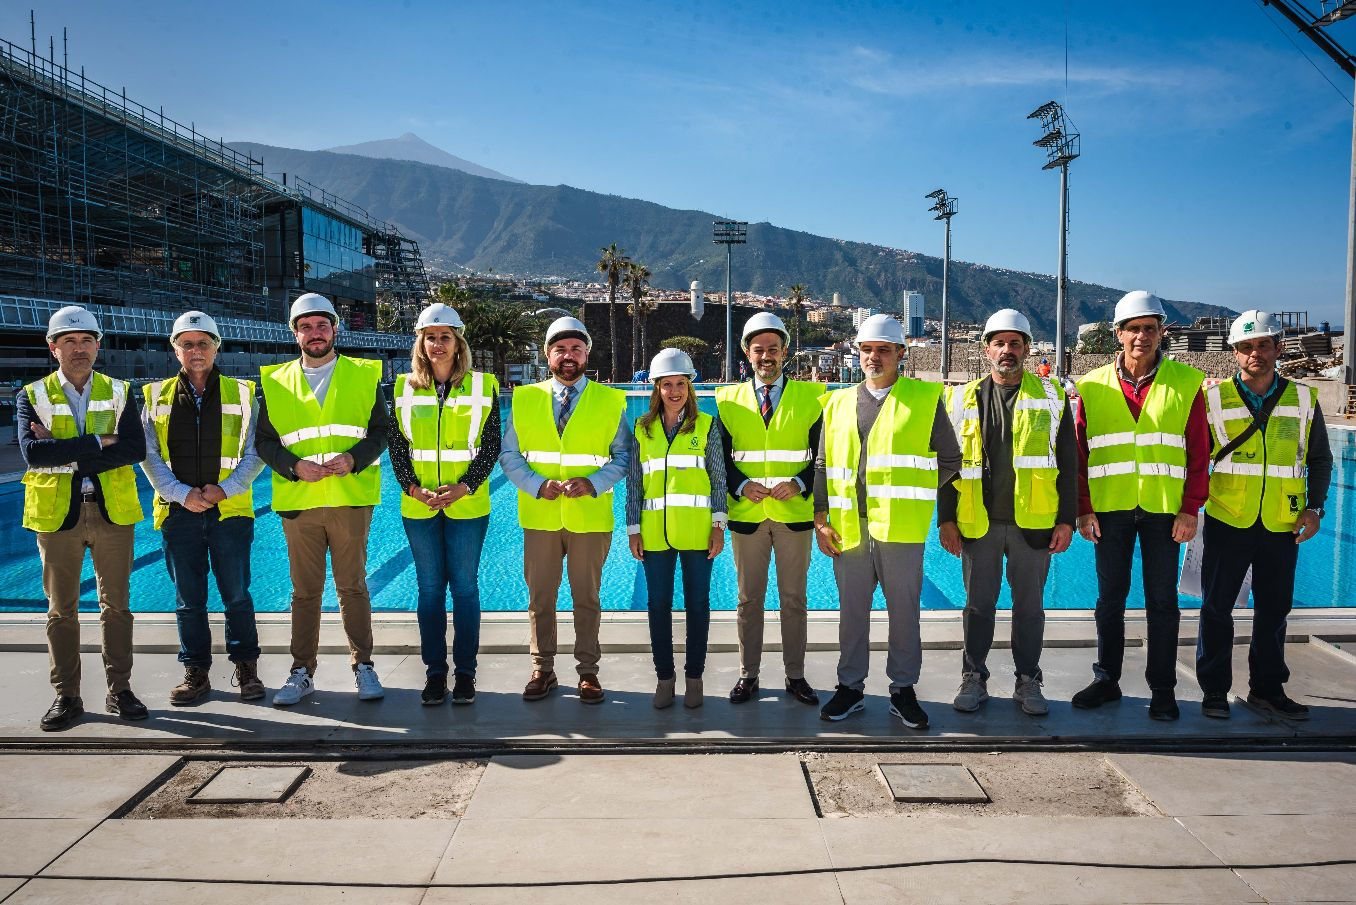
(1291, 839)
(30, 845)
(74, 785)
(1182, 785)
(812, 889)
(246, 785)
(128, 892)
(931, 782)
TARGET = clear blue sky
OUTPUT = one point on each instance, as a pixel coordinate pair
(1215, 165)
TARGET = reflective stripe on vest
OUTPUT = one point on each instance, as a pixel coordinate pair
(319, 433)
(1267, 475)
(1138, 463)
(444, 439)
(47, 491)
(768, 454)
(585, 447)
(901, 466)
(676, 510)
(1037, 411)
(237, 402)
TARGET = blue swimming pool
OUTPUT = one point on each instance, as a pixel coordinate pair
(1327, 565)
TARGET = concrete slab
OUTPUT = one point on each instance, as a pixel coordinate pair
(931, 782)
(1202, 784)
(1284, 839)
(139, 892)
(30, 845)
(676, 785)
(8, 886)
(812, 889)
(74, 785)
(245, 785)
(486, 850)
(304, 851)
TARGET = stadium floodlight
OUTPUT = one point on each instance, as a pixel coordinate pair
(1061, 143)
(945, 209)
(729, 233)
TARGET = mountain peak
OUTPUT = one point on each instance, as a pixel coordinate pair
(411, 147)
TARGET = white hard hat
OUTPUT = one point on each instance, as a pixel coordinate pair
(1007, 320)
(1138, 304)
(1254, 324)
(764, 322)
(311, 303)
(881, 328)
(670, 363)
(440, 315)
(73, 319)
(565, 327)
(195, 320)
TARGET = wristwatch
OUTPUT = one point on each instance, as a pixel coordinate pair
(1316, 510)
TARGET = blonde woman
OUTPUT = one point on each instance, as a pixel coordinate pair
(444, 441)
(676, 512)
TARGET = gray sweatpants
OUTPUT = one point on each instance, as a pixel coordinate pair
(982, 566)
(898, 569)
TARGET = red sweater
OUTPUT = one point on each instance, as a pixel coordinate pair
(1197, 487)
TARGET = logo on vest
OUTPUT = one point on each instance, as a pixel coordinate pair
(1294, 502)
(694, 443)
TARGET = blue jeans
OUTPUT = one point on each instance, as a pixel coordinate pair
(194, 544)
(447, 553)
(1114, 555)
(660, 566)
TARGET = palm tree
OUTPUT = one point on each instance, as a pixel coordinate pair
(613, 263)
(499, 328)
(797, 301)
(452, 294)
(636, 278)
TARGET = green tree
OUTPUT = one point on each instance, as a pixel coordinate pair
(503, 329)
(636, 279)
(453, 294)
(797, 302)
(1100, 340)
(695, 347)
(613, 263)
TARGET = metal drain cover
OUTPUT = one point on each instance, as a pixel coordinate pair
(942, 783)
(250, 785)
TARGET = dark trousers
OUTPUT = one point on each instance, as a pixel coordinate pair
(447, 554)
(660, 566)
(196, 543)
(1229, 551)
(1027, 569)
(1158, 552)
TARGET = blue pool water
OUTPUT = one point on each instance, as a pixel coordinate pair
(1326, 578)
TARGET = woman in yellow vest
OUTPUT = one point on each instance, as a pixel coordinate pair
(443, 442)
(676, 512)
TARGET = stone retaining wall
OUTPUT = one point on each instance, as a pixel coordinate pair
(967, 357)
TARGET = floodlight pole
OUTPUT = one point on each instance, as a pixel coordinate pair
(1062, 290)
(945, 208)
(1349, 312)
(729, 233)
(1061, 143)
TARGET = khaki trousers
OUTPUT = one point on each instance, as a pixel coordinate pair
(63, 554)
(341, 530)
(543, 552)
(752, 554)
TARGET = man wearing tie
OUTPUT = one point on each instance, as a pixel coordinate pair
(566, 445)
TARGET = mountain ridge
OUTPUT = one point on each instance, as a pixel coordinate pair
(413, 148)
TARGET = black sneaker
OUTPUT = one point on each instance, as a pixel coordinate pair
(1163, 705)
(1280, 705)
(125, 705)
(1215, 704)
(65, 710)
(1101, 691)
(904, 704)
(845, 702)
(435, 689)
(463, 689)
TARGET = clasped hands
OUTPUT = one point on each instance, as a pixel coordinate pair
(335, 467)
(444, 496)
(755, 492)
(571, 487)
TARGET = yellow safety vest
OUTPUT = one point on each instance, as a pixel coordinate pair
(442, 447)
(47, 491)
(1035, 426)
(585, 448)
(770, 453)
(1267, 475)
(317, 434)
(1138, 463)
(901, 465)
(676, 512)
(237, 399)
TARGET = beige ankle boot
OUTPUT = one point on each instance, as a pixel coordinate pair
(692, 697)
(663, 693)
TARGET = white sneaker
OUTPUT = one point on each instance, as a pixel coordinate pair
(298, 685)
(972, 693)
(369, 686)
(1028, 694)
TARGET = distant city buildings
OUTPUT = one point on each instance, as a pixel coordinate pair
(861, 314)
(913, 313)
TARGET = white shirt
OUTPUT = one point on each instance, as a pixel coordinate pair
(79, 402)
(319, 378)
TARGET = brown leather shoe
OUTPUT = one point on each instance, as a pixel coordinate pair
(246, 678)
(540, 685)
(590, 689)
(193, 688)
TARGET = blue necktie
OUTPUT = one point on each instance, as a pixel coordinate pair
(564, 417)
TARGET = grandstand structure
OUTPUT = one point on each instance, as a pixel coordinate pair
(111, 205)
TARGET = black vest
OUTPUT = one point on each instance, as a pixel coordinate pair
(194, 437)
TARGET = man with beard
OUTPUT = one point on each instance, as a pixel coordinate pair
(79, 436)
(322, 427)
(1017, 497)
(885, 449)
(566, 446)
(770, 427)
